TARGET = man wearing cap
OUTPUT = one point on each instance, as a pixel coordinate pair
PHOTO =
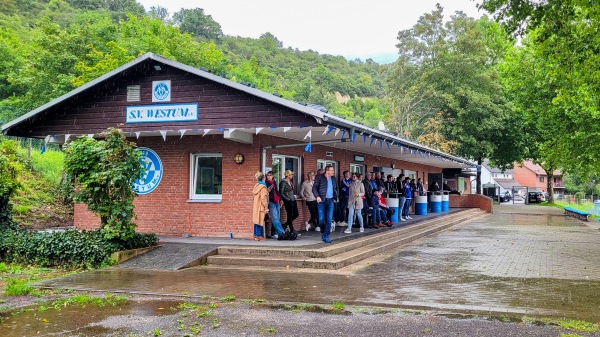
(325, 189)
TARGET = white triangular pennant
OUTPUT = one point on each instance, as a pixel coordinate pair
(326, 129)
(206, 131)
(286, 129)
(163, 134)
(258, 130)
(309, 134)
(46, 139)
(182, 132)
(336, 132)
(231, 131)
(90, 135)
(137, 135)
(67, 136)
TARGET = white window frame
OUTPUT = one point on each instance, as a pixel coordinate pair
(322, 163)
(297, 175)
(361, 168)
(410, 174)
(193, 197)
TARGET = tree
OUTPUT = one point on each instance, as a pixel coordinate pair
(10, 168)
(104, 173)
(195, 22)
(161, 13)
(563, 36)
(448, 72)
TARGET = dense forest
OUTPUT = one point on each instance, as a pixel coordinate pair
(505, 88)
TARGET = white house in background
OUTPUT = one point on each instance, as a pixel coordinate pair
(495, 179)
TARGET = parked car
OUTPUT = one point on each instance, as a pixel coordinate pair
(535, 197)
(505, 197)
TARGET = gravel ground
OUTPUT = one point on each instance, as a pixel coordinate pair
(163, 316)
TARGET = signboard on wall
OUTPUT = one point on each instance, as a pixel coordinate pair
(153, 171)
(161, 113)
(161, 91)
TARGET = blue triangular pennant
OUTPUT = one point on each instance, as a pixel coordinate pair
(380, 143)
(372, 140)
(273, 128)
(365, 138)
(307, 148)
(388, 145)
(329, 129)
(353, 137)
(343, 133)
(43, 149)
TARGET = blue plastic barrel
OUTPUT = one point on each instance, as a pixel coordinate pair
(436, 203)
(445, 202)
(421, 205)
(393, 203)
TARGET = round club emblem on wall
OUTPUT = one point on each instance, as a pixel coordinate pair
(161, 91)
(153, 174)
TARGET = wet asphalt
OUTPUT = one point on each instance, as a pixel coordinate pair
(521, 261)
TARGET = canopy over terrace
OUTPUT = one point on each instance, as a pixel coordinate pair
(325, 128)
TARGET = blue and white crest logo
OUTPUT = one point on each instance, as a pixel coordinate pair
(161, 91)
(153, 175)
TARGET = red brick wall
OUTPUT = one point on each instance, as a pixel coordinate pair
(471, 201)
(166, 210)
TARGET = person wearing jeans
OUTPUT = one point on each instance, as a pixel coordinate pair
(325, 189)
(355, 202)
(408, 194)
(274, 205)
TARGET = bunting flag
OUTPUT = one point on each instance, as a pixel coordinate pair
(372, 140)
(388, 145)
(54, 137)
(286, 129)
(47, 139)
(231, 130)
(182, 132)
(273, 128)
(309, 134)
(43, 149)
(196, 130)
(302, 126)
(343, 134)
(380, 143)
(328, 130)
(67, 136)
(336, 132)
(307, 148)
(90, 135)
(365, 138)
(164, 135)
(206, 131)
(353, 137)
(220, 129)
(258, 130)
(137, 135)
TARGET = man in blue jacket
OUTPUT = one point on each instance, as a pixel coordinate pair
(325, 189)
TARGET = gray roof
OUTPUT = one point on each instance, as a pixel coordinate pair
(318, 112)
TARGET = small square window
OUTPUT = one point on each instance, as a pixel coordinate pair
(133, 93)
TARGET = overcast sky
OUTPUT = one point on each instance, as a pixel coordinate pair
(352, 28)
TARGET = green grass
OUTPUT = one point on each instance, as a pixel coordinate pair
(49, 164)
(17, 287)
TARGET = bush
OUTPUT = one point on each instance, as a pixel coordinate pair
(71, 248)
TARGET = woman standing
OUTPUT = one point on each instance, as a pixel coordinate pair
(286, 188)
(355, 202)
(408, 192)
(310, 199)
(260, 206)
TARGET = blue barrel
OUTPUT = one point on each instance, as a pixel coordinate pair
(393, 203)
(421, 205)
(436, 203)
(445, 202)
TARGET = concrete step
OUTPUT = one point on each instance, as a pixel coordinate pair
(338, 248)
(340, 255)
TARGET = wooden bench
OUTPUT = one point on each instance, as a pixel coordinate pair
(581, 215)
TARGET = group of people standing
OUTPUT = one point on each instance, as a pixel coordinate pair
(330, 201)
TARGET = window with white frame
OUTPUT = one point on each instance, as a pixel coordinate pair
(206, 176)
(281, 163)
(322, 163)
(357, 168)
(410, 174)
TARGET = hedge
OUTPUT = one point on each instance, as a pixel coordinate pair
(71, 248)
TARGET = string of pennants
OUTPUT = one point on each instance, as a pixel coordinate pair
(308, 148)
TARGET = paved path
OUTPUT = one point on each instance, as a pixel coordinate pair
(543, 264)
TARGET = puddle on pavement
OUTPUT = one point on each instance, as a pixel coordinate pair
(74, 320)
